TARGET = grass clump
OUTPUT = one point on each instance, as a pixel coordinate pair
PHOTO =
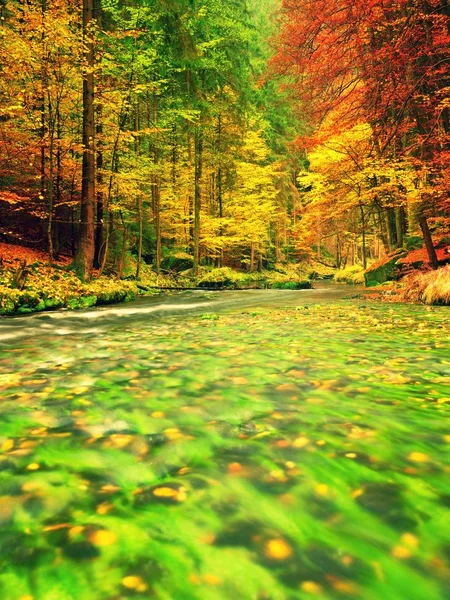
(221, 278)
(353, 275)
(432, 287)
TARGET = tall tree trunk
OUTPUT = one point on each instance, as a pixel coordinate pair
(428, 242)
(99, 235)
(399, 225)
(84, 258)
(198, 158)
(140, 223)
(220, 183)
(252, 257)
(363, 228)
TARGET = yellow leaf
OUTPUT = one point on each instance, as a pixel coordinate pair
(311, 587)
(322, 489)
(277, 549)
(132, 582)
(158, 414)
(419, 457)
(165, 492)
(300, 442)
(102, 537)
(104, 508)
(33, 467)
(410, 540)
(400, 552)
(211, 579)
(7, 445)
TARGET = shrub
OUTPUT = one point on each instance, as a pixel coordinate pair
(353, 275)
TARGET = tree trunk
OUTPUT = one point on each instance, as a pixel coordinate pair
(428, 242)
(197, 194)
(399, 225)
(84, 258)
(363, 227)
(139, 254)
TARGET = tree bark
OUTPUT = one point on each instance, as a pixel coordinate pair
(428, 242)
(84, 258)
(197, 194)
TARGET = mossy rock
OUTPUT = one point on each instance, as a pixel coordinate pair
(217, 285)
(82, 302)
(53, 303)
(25, 310)
(388, 271)
(292, 285)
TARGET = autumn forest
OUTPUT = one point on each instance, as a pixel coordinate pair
(236, 133)
(224, 292)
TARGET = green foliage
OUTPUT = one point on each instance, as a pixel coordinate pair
(413, 243)
(47, 288)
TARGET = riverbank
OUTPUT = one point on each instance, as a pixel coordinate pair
(29, 284)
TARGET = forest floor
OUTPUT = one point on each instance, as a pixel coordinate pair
(214, 453)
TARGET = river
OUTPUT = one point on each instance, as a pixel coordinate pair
(213, 445)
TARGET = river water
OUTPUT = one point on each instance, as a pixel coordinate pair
(257, 444)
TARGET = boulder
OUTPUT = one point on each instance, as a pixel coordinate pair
(387, 270)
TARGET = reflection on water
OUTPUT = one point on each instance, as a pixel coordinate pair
(228, 449)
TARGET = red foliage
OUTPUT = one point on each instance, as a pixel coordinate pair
(11, 253)
(386, 63)
(415, 256)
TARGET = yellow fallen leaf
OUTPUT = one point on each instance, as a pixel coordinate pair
(103, 537)
(211, 579)
(419, 457)
(345, 587)
(80, 389)
(104, 508)
(132, 582)
(311, 587)
(322, 489)
(120, 440)
(33, 467)
(400, 552)
(158, 414)
(410, 540)
(165, 492)
(277, 549)
(7, 445)
(300, 442)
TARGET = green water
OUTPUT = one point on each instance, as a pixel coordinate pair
(252, 453)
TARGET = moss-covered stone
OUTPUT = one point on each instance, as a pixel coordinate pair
(386, 271)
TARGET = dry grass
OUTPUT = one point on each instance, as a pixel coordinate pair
(432, 287)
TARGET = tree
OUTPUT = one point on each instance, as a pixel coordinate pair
(84, 259)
